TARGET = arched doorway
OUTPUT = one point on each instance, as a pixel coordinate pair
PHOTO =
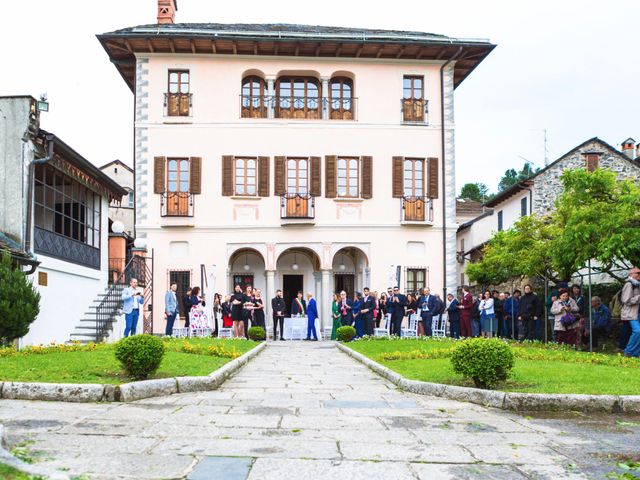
(298, 269)
(350, 270)
(246, 267)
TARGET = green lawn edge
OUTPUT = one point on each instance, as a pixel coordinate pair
(99, 366)
(548, 376)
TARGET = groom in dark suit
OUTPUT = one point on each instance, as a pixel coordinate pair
(395, 306)
(367, 307)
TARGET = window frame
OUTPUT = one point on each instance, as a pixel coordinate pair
(414, 181)
(412, 79)
(500, 221)
(245, 160)
(291, 97)
(412, 271)
(349, 178)
(341, 111)
(297, 191)
(183, 108)
(178, 171)
(524, 207)
(249, 110)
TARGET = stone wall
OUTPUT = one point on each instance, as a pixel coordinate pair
(548, 186)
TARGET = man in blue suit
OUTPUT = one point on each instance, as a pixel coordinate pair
(427, 303)
(170, 308)
(346, 306)
(312, 314)
(132, 299)
(395, 306)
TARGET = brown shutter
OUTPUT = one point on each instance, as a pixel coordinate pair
(195, 175)
(367, 177)
(330, 176)
(592, 161)
(158, 174)
(397, 177)
(316, 178)
(280, 176)
(227, 175)
(432, 177)
(263, 176)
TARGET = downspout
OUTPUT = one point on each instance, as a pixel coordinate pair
(444, 183)
(30, 196)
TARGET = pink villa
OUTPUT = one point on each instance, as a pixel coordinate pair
(293, 157)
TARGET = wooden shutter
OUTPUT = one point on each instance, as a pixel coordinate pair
(592, 161)
(316, 178)
(432, 177)
(330, 176)
(367, 177)
(263, 176)
(195, 175)
(280, 176)
(227, 175)
(158, 174)
(397, 177)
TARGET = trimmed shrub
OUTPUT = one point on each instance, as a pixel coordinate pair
(346, 333)
(257, 334)
(19, 302)
(140, 355)
(486, 361)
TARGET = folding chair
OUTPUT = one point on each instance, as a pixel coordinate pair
(412, 330)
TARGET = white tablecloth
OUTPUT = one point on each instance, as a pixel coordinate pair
(299, 322)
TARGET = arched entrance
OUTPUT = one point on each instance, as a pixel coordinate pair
(246, 267)
(350, 270)
(298, 269)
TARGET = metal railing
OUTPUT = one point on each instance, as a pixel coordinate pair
(178, 104)
(414, 110)
(297, 205)
(176, 204)
(417, 209)
(310, 108)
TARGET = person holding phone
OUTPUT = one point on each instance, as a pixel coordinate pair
(132, 299)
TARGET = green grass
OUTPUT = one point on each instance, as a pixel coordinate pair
(99, 365)
(9, 473)
(538, 368)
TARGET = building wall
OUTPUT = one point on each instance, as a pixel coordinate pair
(221, 225)
(122, 212)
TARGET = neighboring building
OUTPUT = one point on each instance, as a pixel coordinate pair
(538, 193)
(294, 157)
(122, 209)
(467, 209)
(54, 206)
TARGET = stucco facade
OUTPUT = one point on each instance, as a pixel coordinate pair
(124, 209)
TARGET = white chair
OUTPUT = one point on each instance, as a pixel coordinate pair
(412, 330)
(326, 333)
(297, 333)
(201, 332)
(180, 332)
(383, 332)
(439, 326)
(225, 332)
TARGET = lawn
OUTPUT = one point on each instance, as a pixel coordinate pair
(538, 368)
(8, 473)
(97, 363)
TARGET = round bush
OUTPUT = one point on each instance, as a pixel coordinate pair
(257, 334)
(486, 361)
(140, 355)
(346, 333)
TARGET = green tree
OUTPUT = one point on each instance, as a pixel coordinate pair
(475, 191)
(19, 302)
(511, 177)
(597, 218)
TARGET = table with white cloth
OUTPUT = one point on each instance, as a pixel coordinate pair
(299, 322)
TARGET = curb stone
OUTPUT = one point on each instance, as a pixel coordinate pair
(504, 400)
(127, 392)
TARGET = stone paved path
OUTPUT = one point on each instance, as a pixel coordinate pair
(298, 411)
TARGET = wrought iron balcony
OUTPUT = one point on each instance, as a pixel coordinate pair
(297, 205)
(417, 209)
(342, 108)
(414, 110)
(178, 104)
(260, 106)
(176, 204)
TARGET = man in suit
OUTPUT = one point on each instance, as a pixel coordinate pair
(170, 308)
(279, 309)
(345, 305)
(466, 311)
(312, 314)
(132, 298)
(367, 307)
(427, 303)
(454, 316)
(395, 306)
(298, 306)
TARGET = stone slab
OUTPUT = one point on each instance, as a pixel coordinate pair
(465, 472)
(229, 468)
(631, 404)
(60, 392)
(129, 392)
(559, 402)
(279, 469)
(196, 384)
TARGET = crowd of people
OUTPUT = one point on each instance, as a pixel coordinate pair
(518, 315)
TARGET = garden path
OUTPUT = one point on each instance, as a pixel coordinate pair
(301, 410)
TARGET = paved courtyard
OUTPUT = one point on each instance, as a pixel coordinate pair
(306, 410)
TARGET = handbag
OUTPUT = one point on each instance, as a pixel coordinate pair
(568, 319)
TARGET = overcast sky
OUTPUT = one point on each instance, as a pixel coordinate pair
(570, 66)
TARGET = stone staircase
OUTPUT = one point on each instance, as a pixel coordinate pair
(97, 323)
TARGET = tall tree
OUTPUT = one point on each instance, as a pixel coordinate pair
(511, 176)
(475, 191)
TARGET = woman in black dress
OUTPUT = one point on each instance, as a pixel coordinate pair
(247, 310)
(258, 309)
(237, 301)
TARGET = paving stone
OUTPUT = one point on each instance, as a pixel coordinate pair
(417, 452)
(512, 454)
(212, 468)
(278, 469)
(465, 472)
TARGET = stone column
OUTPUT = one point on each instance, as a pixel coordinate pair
(325, 308)
(270, 293)
(325, 98)
(271, 93)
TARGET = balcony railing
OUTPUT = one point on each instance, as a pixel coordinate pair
(176, 204)
(414, 109)
(178, 104)
(270, 106)
(417, 209)
(297, 205)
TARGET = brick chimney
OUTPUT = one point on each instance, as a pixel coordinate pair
(628, 148)
(167, 11)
